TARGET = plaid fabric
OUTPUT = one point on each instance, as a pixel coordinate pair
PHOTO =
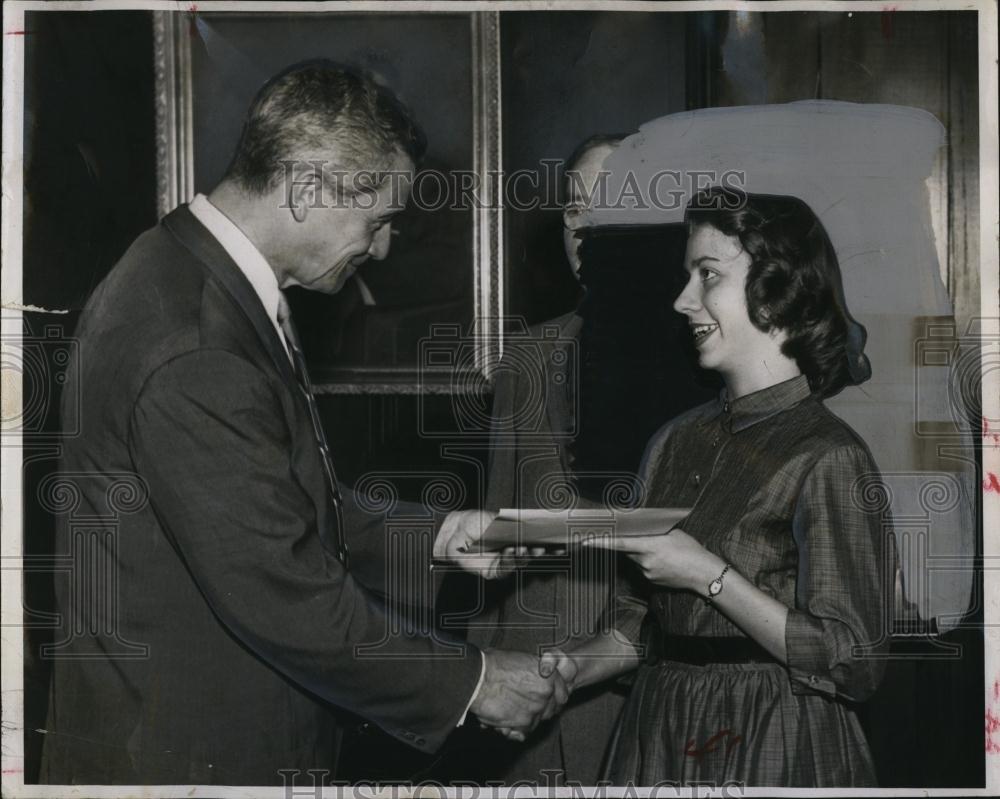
(790, 496)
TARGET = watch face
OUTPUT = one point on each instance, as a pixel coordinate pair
(715, 587)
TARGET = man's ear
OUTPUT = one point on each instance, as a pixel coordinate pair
(304, 191)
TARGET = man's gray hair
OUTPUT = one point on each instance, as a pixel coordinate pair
(319, 106)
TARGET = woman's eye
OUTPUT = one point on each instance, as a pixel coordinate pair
(706, 275)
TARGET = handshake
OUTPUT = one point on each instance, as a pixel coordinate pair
(519, 690)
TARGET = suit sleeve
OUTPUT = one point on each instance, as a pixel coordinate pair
(391, 552)
(210, 435)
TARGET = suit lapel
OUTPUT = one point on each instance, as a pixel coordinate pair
(194, 236)
(216, 261)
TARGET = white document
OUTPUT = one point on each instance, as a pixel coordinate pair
(562, 528)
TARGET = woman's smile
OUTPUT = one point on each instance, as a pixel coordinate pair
(702, 332)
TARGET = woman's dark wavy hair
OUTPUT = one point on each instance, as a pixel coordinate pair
(793, 283)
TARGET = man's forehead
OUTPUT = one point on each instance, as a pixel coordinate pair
(584, 175)
(397, 181)
(593, 159)
(386, 185)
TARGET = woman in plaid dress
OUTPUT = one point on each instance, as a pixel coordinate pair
(767, 616)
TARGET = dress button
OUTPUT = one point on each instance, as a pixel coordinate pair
(715, 442)
(696, 479)
(725, 407)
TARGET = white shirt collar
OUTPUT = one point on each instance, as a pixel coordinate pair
(248, 258)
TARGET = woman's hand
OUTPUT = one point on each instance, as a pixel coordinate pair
(555, 660)
(674, 560)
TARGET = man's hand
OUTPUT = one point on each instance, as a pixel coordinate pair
(514, 696)
(458, 542)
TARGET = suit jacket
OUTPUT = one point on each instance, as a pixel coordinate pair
(531, 466)
(225, 640)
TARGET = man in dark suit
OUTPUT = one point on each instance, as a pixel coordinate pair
(233, 633)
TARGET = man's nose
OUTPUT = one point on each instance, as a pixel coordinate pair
(687, 302)
(381, 242)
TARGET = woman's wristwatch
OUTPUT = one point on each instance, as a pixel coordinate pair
(715, 587)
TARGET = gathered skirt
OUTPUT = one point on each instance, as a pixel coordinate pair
(734, 724)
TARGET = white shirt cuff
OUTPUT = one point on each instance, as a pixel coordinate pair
(479, 685)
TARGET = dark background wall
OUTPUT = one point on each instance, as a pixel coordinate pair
(89, 150)
(567, 76)
(90, 189)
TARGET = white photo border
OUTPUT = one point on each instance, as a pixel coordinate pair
(11, 461)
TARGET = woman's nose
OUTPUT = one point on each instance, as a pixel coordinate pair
(687, 302)
(381, 241)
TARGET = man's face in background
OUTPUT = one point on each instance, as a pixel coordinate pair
(582, 181)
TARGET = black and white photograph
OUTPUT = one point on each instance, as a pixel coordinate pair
(495, 398)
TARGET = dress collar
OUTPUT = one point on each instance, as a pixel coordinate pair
(746, 411)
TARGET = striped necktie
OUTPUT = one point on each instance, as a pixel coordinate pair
(302, 374)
